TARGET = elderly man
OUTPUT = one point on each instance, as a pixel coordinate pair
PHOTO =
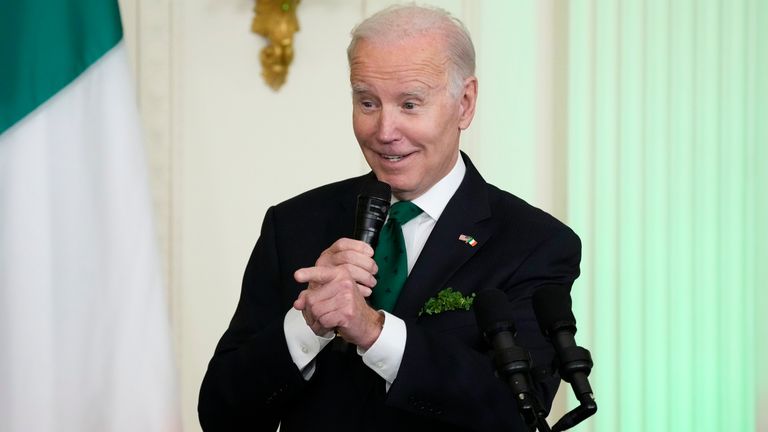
(413, 92)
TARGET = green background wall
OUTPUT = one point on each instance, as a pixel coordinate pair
(667, 184)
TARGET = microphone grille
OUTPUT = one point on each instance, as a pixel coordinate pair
(491, 308)
(553, 307)
(376, 189)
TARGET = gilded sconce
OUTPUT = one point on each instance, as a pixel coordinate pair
(276, 20)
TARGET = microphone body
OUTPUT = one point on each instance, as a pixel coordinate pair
(575, 361)
(495, 320)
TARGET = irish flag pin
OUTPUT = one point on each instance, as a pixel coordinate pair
(468, 240)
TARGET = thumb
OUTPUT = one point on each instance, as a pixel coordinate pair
(321, 275)
(300, 302)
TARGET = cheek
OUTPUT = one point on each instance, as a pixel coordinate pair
(417, 130)
(424, 136)
(362, 126)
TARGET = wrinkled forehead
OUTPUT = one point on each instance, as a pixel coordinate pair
(420, 58)
(433, 42)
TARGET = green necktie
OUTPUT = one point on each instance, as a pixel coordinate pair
(391, 257)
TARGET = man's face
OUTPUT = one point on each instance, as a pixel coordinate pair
(405, 120)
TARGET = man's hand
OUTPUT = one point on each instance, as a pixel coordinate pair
(335, 297)
(356, 257)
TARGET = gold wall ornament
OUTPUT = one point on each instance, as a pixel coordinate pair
(276, 20)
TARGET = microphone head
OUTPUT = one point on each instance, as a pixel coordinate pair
(494, 312)
(376, 189)
(371, 212)
(553, 308)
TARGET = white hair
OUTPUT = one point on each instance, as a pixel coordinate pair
(400, 22)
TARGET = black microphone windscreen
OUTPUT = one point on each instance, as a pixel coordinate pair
(492, 307)
(553, 307)
(376, 189)
(371, 211)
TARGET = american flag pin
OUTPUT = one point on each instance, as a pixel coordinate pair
(468, 240)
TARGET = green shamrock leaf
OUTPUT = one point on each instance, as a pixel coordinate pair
(447, 300)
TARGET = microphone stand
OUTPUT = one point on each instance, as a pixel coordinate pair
(514, 363)
(586, 408)
(533, 414)
(576, 364)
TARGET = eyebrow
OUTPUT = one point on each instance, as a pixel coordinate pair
(359, 88)
(418, 94)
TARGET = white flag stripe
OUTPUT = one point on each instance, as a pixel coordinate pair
(84, 326)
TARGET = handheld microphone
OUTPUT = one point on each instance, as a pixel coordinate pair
(370, 214)
(371, 211)
(553, 308)
(494, 317)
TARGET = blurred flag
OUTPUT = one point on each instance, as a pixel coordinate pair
(84, 328)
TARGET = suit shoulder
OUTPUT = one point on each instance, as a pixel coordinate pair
(321, 197)
(313, 220)
(525, 216)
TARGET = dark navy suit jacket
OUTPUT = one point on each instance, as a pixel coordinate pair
(446, 380)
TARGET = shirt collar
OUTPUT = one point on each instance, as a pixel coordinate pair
(433, 201)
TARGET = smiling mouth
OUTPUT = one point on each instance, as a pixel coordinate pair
(394, 158)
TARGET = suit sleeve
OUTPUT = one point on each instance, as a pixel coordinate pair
(252, 375)
(452, 381)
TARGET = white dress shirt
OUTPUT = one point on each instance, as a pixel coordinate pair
(386, 354)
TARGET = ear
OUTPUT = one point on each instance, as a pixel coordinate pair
(468, 102)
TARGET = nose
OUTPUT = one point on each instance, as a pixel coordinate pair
(388, 130)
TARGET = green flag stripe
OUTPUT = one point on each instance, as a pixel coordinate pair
(45, 44)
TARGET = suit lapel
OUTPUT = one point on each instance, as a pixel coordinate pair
(467, 212)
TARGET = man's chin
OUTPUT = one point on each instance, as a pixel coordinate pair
(403, 192)
(391, 180)
(401, 184)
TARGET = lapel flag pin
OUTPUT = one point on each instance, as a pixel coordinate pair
(468, 240)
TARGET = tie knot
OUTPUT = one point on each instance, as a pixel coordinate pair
(403, 211)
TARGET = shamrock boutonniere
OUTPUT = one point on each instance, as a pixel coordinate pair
(447, 300)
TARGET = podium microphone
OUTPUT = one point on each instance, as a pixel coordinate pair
(552, 306)
(494, 317)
